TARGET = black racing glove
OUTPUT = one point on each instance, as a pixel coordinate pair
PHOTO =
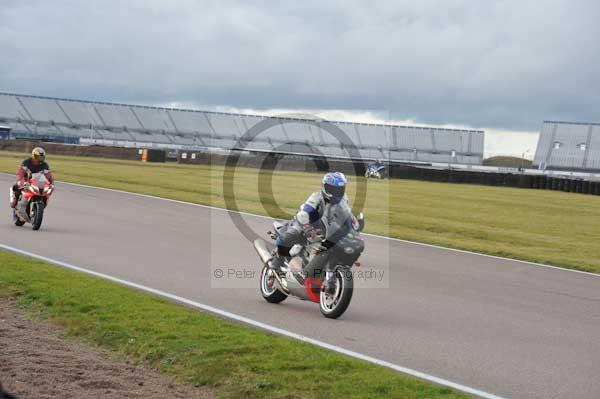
(324, 246)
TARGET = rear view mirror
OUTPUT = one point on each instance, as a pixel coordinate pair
(361, 221)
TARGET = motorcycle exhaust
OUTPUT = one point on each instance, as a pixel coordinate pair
(265, 255)
(261, 248)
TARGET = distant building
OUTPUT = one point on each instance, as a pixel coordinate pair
(5, 132)
(568, 146)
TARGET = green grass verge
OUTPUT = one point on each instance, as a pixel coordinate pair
(197, 348)
(551, 227)
(508, 162)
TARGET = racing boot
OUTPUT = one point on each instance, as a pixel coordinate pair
(276, 263)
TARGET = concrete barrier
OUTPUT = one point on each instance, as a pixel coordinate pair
(25, 146)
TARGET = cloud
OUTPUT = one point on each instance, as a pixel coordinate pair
(499, 65)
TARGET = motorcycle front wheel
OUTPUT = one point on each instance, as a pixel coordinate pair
(334, 305)
(37, 215)
(267, 287)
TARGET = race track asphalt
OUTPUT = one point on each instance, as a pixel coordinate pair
(510, 328)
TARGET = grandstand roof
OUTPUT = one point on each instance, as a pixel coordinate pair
(126, 124)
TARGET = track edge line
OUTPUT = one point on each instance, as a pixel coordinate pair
(258, 324)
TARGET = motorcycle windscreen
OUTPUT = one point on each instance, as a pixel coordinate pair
(40, 179)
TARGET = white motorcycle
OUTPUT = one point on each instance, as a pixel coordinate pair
(375, 172)
(294, 279)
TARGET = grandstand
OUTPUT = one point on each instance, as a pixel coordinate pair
(568, 146)
(88, 122)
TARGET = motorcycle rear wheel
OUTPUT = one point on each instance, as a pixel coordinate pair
(269, 292)
(334, 305)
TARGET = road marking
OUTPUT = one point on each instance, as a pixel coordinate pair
(463, 251)
(260, 325)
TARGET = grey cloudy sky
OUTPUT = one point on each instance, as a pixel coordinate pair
(483, 64)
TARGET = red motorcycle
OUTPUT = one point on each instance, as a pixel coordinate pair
(35, 195)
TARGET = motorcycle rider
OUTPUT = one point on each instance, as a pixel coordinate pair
(329, 208)
(34, 164)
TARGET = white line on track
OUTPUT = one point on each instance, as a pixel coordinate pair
(260, 325)
(524, 262)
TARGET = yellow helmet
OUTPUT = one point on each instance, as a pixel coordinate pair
(38, 153)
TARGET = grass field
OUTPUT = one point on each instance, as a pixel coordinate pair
(537, 225)
(508, 162)
(195, 347)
